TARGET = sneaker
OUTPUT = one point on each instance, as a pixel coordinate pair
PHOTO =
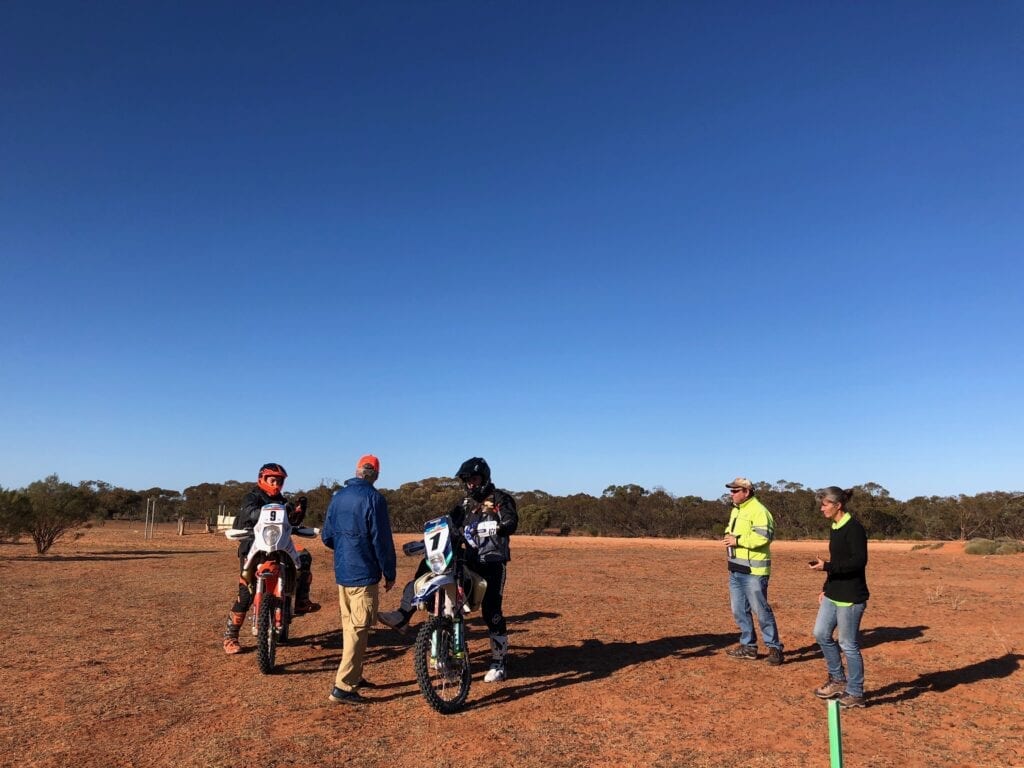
(306, 606)
(339, 696)
(831, 689)
(846, 701)
(745, 652)
(774, 656)
(231, 645)
(495, 675)
(397, 620)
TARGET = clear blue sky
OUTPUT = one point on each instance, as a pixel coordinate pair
(595, 243)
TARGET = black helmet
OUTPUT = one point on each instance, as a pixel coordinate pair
(476, 466)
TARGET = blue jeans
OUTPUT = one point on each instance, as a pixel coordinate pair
(847, 618)
(750, 593)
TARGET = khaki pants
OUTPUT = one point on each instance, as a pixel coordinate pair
(358, 612)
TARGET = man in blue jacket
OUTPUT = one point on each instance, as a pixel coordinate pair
(358, 529)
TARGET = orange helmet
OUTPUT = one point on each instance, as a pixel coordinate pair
(271, 470)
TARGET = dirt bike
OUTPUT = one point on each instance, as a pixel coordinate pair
(270, 570)
(448, 592)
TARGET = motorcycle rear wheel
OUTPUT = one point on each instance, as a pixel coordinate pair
(444, 680)
(266, 635)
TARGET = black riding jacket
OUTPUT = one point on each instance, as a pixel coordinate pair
(497, 505)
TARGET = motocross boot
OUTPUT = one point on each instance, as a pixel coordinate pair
(302, 602)
(499, 649)
(235, 621)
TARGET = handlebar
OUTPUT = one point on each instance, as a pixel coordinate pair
(414, 547)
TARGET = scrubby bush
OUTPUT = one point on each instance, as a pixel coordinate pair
(1006, 546)
(55, 508)
(980, 547)
(14, 507)
(1001, 546)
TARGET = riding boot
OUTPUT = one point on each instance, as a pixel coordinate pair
(235, 621)
(499, 650)
(302, 602)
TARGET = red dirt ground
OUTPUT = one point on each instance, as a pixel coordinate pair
(112, 657)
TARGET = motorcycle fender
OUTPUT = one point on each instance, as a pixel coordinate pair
(269, 573)
(427, 584)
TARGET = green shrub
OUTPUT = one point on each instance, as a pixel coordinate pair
(980, 547)
(1001, 546)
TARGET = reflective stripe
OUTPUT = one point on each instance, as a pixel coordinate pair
(766, 532)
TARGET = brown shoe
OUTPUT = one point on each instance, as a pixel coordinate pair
(745, 652)
(231, 645)
(775, 656)
(846, 701)
(831, 689)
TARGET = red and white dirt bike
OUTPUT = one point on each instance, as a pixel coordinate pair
(271, 570)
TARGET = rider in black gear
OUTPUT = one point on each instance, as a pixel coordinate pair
(485, 555)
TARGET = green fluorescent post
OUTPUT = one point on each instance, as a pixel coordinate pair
(835, 735)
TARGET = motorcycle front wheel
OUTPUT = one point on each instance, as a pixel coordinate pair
(266, 635)
(443, 674)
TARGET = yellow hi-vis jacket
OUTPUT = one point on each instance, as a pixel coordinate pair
(752, 525)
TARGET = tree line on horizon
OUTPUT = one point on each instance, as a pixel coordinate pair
(47, 509)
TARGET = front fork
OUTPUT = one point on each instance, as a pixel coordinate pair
(458, 647)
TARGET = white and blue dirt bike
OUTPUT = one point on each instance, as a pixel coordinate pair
(448, 592)
(271, 570)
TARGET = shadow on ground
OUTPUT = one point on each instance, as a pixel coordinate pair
(869, 638)
(946, 679)
(129, 554)
(547, 668)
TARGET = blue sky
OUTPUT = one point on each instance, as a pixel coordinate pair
(595, 243)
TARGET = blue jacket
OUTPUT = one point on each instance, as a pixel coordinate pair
(358, 529)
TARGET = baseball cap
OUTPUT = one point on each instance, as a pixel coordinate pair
(741, 482)
(369, 460)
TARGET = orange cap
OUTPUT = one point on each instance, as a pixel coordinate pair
(371, 460)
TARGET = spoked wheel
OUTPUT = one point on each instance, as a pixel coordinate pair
(266, 635)
(444, 677)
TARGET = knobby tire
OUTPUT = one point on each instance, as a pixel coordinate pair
(266, 636)
(445, 685)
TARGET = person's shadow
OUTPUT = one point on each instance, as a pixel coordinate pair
(869, 637)
(113, 555)
(546, 668)
(945, 679)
